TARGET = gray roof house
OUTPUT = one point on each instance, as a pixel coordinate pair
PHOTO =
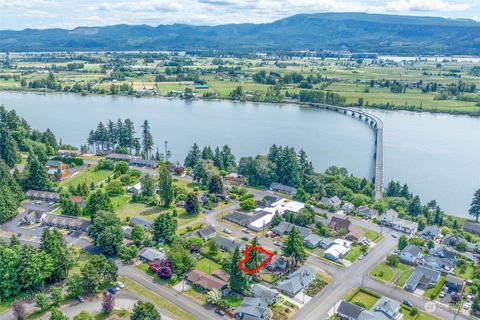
(454, 283)
(325, 243)
(430, 233)
(331, 202)
(384, 309)
(151, 254)
(440, 259)
(240, 218)
(312, 241)
(349, 311)
(471, 227)
(347, 207)
(207, 232)
(422, 277)
(145, 224)
(367, 212)
(409, 254)
(252, 308)
(227, 244)
(297, 281)
(278, 187)
(390, 219)
(452, 240)
(119, 157)
(285, 227)
(34, 216)
(270, 296)
(144, 163)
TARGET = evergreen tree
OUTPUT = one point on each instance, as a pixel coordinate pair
(238, 280)
(148, 185)
(293, 247)
(144, 311)
(193, 156)
(97, 201)
(475, 205)
(129, 134)
(8, 147)
(147, 139)
(163, 228)
(165, 187)
(207, 153)
(192, 204)
(256, 256)
(54, 244)
(36, 178)
(10, 194)
(215, 185)
(106, 232)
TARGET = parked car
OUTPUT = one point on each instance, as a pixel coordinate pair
(442, 294)
(408, 303)
(245, 239)
(113, 290)
(466, 306)
(394, 235)
(269, 233)
(226, 230)
(120, 285)
(245, 230)
(361, 257)
(277, 243)
(81, 299)
(220, 312)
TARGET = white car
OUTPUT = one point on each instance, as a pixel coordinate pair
(120, 285)
(442, 294)
(466, 306)
(226, 230)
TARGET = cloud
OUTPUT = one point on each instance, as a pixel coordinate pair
(425, 6)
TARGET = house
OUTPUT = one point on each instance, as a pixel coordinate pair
(221, 274)
(268, 200)
(355, 234)
(57, 174)
(349, 311)
(454, 283)
(127, 231)
(325, 243)
(431, 233)
(278, 264)
(68, 153)
(367, 212)
(331, 202)
(285, 227)
(145, 224)
(240, 218)
(119, 157)
(55, 164)
(42, 196)
(409, 254)
(423, 278)
(347, 207)
(34, 216)
(390, 219)
(252, 308)
(151, 254)
(227, 244)
(385, 308)
(78, 200)
(234, 179)
(207, 232)
(278, 187)
(66, 222)
(471, 227)
(440, 259)
(452, 240)
(204, 281)
(339, 224)
(137, 188)
(261, 218)
(270, 296)
(297, 281)
(337, 251)
(143, 163)
(312, 241)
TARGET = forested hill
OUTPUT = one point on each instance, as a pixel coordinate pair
(356, 32)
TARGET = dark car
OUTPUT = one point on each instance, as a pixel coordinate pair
(113, 290)
(408, 303)
(81, 299)
(220, 312)
(245, 238)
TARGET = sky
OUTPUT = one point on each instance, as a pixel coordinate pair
(41, 14)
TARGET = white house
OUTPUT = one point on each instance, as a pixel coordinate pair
(410, 254)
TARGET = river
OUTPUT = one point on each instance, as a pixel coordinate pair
(438, 155)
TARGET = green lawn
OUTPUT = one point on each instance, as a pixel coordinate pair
(383, 272)
(354, 253)
(207, 265)
(364, 297)
(372, 235)
(433, 293)
(156, 299)
(88, 176)
(197, 295)
(403, 277)
(466, 272)
(131, 209)
(233, 302)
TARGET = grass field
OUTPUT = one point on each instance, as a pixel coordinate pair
(157, 300)
(207, 265)
(88, 176)
(433, 293)
(365, 298)
(383, 272)
(354, 253)
(131, 209)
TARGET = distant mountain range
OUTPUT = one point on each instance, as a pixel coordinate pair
(355, 32)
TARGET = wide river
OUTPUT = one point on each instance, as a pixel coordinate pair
(437, 155)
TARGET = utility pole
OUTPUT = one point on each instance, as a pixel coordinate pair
(166, 150)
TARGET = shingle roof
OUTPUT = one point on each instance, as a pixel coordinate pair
(152, 254)
(412, 249)
(205, 280)
(206, 232)
(349, 309)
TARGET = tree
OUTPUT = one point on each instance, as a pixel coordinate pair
(121, 167)
(56, 295)
(148, 185)
(36, 178)
(192, 205)
(129, 253)
(293, 247)
(165, 187)
(213, 247)
(238, 281)
(57, 315)
(276, 219)
(53, 243)
(147, 139)
(255, 256)
(144, 311)
(415, 207)
(193, 156)
(74, 285)
(248, 204)
(163, 229)
(8, 147)
(393, 260)
(402, 242)
(97, 272)
(475, 205)
(106, 232)
(215, 185)
(10, 194)
(41, 301)
(19, 310)
(163, 268)
(214, 297)
(97, 201)
(114, 188)
(180, 257)
(137, 235)
(108, 303)
(84, 315)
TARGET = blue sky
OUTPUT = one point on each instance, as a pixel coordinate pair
(21, 14)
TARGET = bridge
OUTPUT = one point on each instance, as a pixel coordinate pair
(377, 124)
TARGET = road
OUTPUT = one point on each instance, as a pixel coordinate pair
(167, 293)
